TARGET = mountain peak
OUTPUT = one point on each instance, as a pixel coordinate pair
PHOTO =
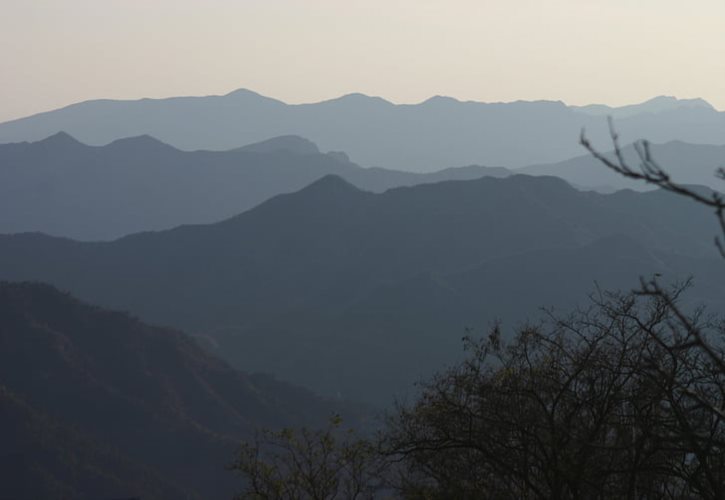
(661, 99)
(61, 139)
(243, 93)
(144, 143)
(358, 98)
(441, 99)
(355, 95)
(664, 102)
(658, 104)
(249, 95)
(673, 101)
(333, 184)
(289, 143)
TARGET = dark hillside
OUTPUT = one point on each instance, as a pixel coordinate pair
(151, 408)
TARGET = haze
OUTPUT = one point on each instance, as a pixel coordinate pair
(616, 52)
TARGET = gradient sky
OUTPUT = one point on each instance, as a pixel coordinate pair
(56, 52)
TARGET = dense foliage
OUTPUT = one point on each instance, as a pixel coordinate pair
(590, 406)
(330, 463)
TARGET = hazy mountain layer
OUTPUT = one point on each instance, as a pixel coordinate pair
(95, 404)
(686, 164)
(358, 293)
(419, 137)
(62, 187)
(657, 105)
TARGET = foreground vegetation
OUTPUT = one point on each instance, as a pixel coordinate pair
(609, 402)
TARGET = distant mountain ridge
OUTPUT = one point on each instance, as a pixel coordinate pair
(655, 105)
(375, 132)
(291, 143)
(63, 187)
(686, 164)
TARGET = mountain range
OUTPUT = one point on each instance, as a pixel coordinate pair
(374, 132)
(62, 187)
(96, 404)
(359, 294)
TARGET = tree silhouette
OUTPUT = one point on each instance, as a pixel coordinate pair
(585, 406)
(295, 464)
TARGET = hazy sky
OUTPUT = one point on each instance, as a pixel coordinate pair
(56, 52)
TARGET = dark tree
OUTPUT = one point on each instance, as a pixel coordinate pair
(325, 464)
(580, 407)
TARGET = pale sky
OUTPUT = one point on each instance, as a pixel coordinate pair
(57, 52)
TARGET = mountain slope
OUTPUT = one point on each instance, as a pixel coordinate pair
(276, 283)
(402, 332)
(41, 458)
(114, 400)
(418, 137)
(290, 143)
(62, 187)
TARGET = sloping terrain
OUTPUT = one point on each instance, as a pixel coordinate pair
(307, 283)
(97, 404)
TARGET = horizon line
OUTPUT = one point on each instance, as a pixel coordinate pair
(244, 90)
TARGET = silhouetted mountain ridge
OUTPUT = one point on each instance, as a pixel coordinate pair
(291, 143)
(141, 145)
(375, 132)
(655, 105)
(60, 140)
(63, 187)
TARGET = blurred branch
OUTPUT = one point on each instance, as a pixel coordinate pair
(651, 172)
